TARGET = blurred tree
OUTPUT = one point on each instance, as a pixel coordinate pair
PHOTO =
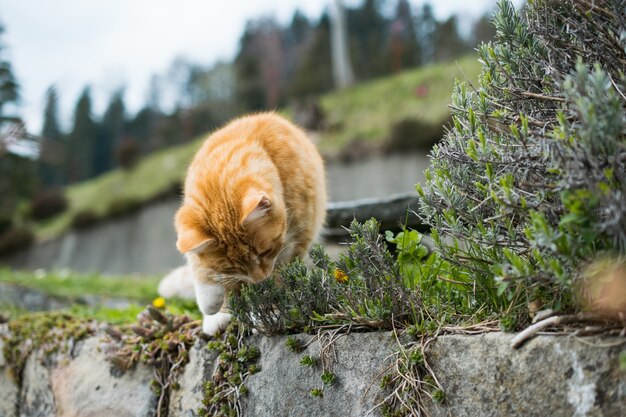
(17, 169)
(9, 90)
(142, 128)
(313, 73)
(154, 93)
(81, 140)
(18, 174)
(51, 148)
(483, 30)
(426, 33)
(213, 94)
(299, 28)
(111, 132)
(448, 42)
(405, 51)
(369, 39)
(251, 95)
(297, 38)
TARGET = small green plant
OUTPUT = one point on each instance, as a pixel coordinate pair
(236, 361)
(328, 378)
(49, 332)
(365, 287)
(159, 339)
(439, 396)
(308, 360)
(294, 344)
(316, 392)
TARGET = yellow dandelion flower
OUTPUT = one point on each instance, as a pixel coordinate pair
(340, 276)
(159, 302)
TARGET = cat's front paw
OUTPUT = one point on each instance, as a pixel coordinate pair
(209, 297)
(214, 323)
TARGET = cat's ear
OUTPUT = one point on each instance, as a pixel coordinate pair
(254, 206)
(191, 240)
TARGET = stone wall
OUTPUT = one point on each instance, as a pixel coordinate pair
(144, 242)
(481, 375)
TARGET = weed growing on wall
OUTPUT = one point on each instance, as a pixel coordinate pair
(158, 339)
(365, 287)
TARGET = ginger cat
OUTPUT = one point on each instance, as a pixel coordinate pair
(254, 198)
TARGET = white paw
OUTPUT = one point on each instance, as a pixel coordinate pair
(209, 297)
(214, 323)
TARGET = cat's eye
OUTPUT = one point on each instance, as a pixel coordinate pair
(265, 253)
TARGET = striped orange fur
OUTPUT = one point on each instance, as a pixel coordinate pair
(254, 198)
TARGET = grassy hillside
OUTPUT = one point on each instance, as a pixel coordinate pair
(364, 112)
(368, 111)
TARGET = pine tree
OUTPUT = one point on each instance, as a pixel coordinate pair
(81, 140)
(426, 33)
(17, 173)
(483, 30)
(142, 128)
(405, 51)
(51, 152)
(110, 134)
(9, 90)
(249, 82)
(448, 41)
(313, 75)
(369, 39)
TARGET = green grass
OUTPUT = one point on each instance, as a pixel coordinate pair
(150, 177)
(368, 111)
(70, 285)
(140, 290)
(364, 112)
(127, 315)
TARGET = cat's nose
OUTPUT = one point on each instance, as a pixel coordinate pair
(259, 274)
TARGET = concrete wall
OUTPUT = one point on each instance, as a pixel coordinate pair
(481, 375)
(142, 242)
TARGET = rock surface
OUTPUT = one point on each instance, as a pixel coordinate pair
(85, 386)
(187, 400)
(283, 386)
(481, 375)
(36, 397)
(548, 376)
(8, 389)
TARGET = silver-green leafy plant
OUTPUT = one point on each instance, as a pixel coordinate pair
(529, 184)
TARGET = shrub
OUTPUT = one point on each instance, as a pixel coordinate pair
(413, 134)
(123, 206)
(127, 153)
(530, 183)
(365, 287)
(84, 219)
(15, 239)
(5, 223)
(48, 203)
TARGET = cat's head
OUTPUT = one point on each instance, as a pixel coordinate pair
(239, 242)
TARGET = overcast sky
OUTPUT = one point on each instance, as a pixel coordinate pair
(113, 43)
